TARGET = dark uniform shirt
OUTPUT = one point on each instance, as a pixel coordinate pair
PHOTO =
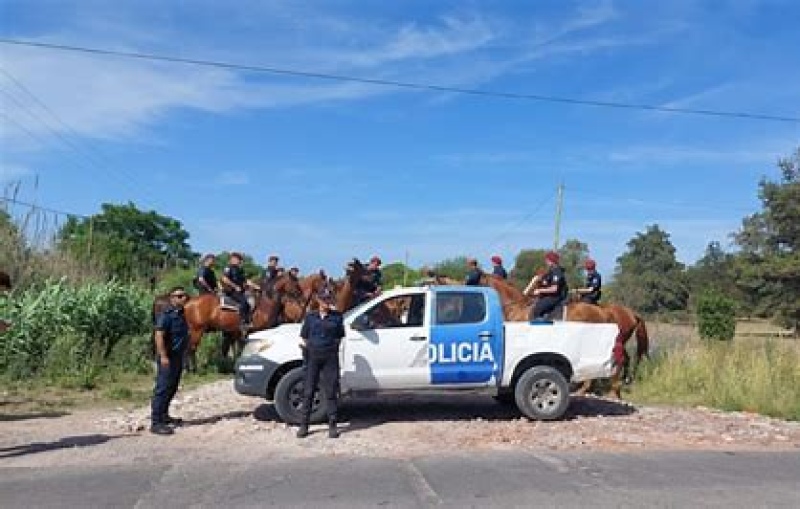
(176, 330)
(322, 334)
(500, 271)
(376, 277)
(206, 274)
(473, 277)
(555, 276)
(595, 282)
(235, 274)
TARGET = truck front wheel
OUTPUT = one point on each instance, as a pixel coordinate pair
(542, 393)
(289, 399)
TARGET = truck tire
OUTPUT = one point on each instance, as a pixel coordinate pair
(542, 393)
(289, 399)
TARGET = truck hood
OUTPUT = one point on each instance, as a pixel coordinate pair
(275, 343)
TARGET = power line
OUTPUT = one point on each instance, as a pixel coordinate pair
(400, 84)
(44, 209)
(85, 152)
(513, 224)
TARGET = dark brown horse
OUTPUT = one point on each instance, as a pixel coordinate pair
(516, 307)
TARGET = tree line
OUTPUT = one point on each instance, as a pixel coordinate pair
(760, 276)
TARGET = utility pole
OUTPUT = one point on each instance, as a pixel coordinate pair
(405, 270)
(559, 204)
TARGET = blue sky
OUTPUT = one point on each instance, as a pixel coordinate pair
(319, 171)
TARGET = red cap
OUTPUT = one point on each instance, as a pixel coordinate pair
(497, 259)
(375, 259)
(238, 255)
(551, 257)
(589, 264)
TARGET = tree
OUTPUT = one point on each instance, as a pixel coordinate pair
(573, 254)
(648, 277)
(455, 268)
(770, 240)
(526, 263)
(129, 242)
(714, 272)
(397, 273)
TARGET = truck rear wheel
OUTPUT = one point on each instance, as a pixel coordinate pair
(542, 393)
(289, 399)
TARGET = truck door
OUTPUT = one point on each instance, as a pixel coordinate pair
(466, 339)
(386, 346)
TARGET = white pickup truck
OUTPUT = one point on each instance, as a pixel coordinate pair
(436, 338)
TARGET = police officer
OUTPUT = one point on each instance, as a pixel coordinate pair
(171, 342)
(497, 267)
(270, 275)
(592, 292)
(206, 280)
(553, 288)
(374, 275)
(235, 283)
(473, 273)
(321, 334)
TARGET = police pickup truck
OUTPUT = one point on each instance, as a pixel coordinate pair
(435, 338)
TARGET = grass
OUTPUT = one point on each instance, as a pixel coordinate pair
(62, 395)
(752, 375)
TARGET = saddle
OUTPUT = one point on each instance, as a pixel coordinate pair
(228, 303)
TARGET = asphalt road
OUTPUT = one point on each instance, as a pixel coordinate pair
(675, 479)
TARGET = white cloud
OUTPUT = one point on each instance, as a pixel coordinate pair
(232, 178)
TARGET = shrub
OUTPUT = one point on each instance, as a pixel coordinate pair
(716, 317)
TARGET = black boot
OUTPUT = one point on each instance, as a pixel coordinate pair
(302, 431)
(333, 432)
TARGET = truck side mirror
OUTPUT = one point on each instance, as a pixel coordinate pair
(361, 323)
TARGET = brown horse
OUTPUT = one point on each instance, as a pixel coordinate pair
(204, 314)
(516, 306)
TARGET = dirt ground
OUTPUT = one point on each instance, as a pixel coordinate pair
(222, 424)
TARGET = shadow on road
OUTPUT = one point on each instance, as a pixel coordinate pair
(363, 413)
(32, 415)
(61, 443)
(237, 414)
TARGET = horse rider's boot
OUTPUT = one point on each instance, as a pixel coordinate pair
(333, 432)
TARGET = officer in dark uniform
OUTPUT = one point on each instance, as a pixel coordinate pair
(270, 275)
(206, 280)
(321, 334)
(235, 282)
(592, 292)
(553, 289)
(473, 273)
(171, 342)
(374, 275)
(497, 267)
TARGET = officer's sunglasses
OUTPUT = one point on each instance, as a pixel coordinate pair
(179, 295)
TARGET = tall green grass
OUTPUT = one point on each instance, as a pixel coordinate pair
(760, 376)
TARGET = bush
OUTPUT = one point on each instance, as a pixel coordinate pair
(716, 317)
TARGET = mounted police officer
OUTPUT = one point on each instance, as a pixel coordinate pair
(206, 279)
(171, 342)
(474, 273)
(552, 290)
(497, 267)
(593, 291)
(321, 334)
(270, 275)
(235, 282)
(374, 275)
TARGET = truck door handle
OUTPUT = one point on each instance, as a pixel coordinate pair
(485, 334)
(417, 338)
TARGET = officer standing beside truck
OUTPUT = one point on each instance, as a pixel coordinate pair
(321, 334)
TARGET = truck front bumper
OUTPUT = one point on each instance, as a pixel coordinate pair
(253, 374)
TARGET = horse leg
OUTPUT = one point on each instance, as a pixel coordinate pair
(584, 388)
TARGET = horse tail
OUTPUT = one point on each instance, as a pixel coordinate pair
(642, 340)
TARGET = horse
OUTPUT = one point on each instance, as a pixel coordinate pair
(517, 305)
(205, 314)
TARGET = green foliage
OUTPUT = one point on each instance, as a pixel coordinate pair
(60, 329)
(525, 266)
(716, 317)
(573, 254)
(752, 376)
(770, 243)
(455, 268)
(398, 274)
(648, 277)
(129, 242)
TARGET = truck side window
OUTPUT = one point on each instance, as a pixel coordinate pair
(460, 307)
(402, 311)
